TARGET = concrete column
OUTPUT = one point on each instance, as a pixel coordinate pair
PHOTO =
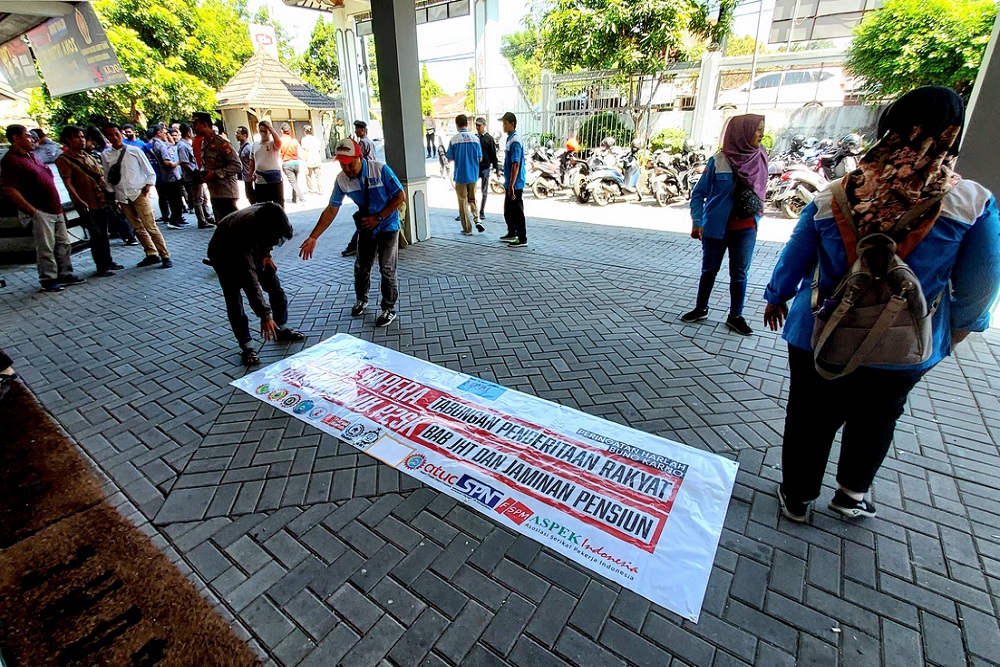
(355, 98)
(394, 25)
(708, 85)
(978, 158)
(486, 17)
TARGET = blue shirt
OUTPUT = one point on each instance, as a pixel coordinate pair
(147, 149)
(382, 186)
(164, 151)
(962, 250)
(466, 151)
(712, 198)
(513, 153)
(185, 155)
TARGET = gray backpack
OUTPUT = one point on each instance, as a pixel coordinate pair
(878, 314)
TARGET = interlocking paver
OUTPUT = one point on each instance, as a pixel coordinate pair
(278, 521)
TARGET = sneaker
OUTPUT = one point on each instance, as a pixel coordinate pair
(793, 511)
(480, 228)
(516, 243)
(348, 251)
(205, 225)
(114, 266)
(739, 325)
(482, 216)
(70, 279)
(149, 260)
(696, 315)
(206, 261)
(171, 225)
(457, 218)
(844, 505)
(132, 242)
(507, 238)
(359, 308)
(52, 286)
(385, 318)
(104, 273)
(286, 335)
(465, 233)
(167, 264)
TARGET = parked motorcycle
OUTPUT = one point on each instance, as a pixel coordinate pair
(802, 182)
(662, 181)
(608, 184)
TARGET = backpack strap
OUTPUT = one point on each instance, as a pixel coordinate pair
(875, 334)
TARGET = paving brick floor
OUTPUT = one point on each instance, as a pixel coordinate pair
(321, 556)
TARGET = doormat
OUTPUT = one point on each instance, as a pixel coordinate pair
(641, 510)
(42, 478)
(86, 587)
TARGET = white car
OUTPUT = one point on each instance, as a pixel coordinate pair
(793, 88)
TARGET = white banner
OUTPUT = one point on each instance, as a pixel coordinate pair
(643, 511)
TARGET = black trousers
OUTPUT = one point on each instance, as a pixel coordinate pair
(5, 361)
(513, 215)
(172, 191)
(867, 403)
(384, 246)
(161, 197)
(96, 223)
(233, 287)
(222, 207)
(275, 192)
(248, 188)
(431, 148)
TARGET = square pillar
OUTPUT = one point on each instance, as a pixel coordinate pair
(394, 25)
(977, 158)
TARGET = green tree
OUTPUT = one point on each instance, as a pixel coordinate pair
(429, 89)
(522, 51)
(470, 92)
(911, 43)
(633, 38)
(318, 65)
(175, 52)
(372, 69)
(744, 46)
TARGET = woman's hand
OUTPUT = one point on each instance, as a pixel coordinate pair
(774, 315)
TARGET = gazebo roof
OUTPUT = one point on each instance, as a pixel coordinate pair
(264, 82)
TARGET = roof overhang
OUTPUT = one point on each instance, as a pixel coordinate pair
(19, 16)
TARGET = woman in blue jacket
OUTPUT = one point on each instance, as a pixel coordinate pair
(725, 207)
(957, 261)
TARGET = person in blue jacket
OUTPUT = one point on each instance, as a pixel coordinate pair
(725, 207)
(958, 260)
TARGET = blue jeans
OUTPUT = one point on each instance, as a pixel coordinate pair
(484, 180)
(740, 244)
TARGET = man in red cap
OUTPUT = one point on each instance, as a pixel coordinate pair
(378, 193)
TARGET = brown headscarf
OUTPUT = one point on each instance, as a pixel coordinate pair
(911, 163)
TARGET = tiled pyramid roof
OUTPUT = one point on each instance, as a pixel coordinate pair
(264, 82)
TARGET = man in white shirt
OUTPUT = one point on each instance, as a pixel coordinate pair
(128, 172)
(313, 150)
(265, 166)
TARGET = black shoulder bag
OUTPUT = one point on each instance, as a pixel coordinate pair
(115, 172)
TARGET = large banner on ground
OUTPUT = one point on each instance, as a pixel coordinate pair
(643, 511)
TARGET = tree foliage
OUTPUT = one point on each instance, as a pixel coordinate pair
(175, 52)
(470, 91)
(318, 65)
(912, 43)
(429, 89)
(523, 51)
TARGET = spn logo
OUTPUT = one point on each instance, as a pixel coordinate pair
(479, 491)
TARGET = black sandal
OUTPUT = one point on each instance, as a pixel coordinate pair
(250, 357)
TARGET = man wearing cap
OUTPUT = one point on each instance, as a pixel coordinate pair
(513, 182)
(378, 193)
(487, 162)
(368, 153)
(220, 166)
(312, 151)
(466, 152)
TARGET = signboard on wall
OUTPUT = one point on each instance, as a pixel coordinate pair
(18, 65)
(74, 53)
(808, 20)
(641, 510)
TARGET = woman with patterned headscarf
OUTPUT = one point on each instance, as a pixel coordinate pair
(948, 230)
(725, 207)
